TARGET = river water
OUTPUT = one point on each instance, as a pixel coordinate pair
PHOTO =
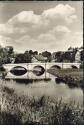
(49, 88)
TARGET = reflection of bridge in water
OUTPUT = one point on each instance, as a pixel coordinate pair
(34, 70)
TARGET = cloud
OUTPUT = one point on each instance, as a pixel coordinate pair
(77, 39)
(59, 9)
(46, 38)
(12, 31)
(63, 29)
(5, 41)
(63, 12)
(39, 43)
(47, 31)
(27, 22)
(49, 42)
(6, 29)
(60, 31)
(25, 17)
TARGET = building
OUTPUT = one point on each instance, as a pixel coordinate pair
(78, 55)
(39, 58)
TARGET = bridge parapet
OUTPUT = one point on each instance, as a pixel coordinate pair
(34, 70)
(62, 65)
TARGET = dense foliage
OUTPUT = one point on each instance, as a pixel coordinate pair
(7, 55)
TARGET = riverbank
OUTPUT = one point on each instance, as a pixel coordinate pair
(72, 77)
(39, 104)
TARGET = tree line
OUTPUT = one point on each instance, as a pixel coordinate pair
(7, 55)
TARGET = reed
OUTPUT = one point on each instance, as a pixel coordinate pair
(21, 109)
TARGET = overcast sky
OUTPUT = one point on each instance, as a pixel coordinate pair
(41, 25)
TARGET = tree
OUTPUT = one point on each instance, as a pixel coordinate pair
(70, 48)
(30, 52)
(82, 55)
(47, 54)
(26, 52)
(35, 53)
(59, 56)
(9, 49)
(23, 58)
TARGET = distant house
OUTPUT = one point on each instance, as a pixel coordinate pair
(13, 60)
(53, 57)
(39, 58)
(78, 55)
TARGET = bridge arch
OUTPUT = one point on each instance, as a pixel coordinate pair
(38, 70)
(55, 67)
(74, 67)
(18, 71)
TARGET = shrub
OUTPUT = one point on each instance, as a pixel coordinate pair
(8, 90)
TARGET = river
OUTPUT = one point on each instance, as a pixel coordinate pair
(49, 88)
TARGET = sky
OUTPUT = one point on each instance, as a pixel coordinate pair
(41, 25)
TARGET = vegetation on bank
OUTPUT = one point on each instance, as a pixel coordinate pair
(18, 108)
(74, 73)
(22, 110)
(72, 77)
(8, 55)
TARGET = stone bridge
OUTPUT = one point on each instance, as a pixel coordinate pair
(34, 70)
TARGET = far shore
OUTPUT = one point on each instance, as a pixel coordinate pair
(73, 77)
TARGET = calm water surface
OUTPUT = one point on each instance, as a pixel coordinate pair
(50, 88)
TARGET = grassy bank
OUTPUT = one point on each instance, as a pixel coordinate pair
(18, 107)
(73, 77)
(74, 73)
